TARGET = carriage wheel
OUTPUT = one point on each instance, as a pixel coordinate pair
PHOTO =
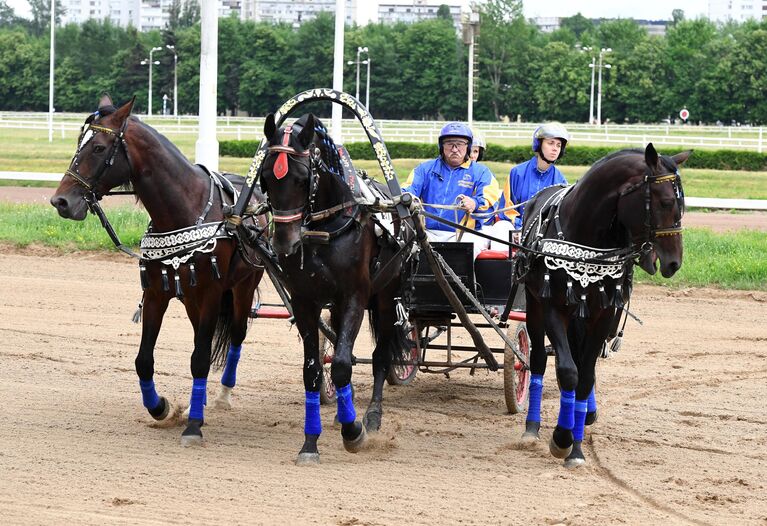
(403, 373)
(516, 379)
(327, 390)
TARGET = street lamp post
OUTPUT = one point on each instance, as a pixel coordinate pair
(149, 105)
(149, 62)
(599, 89)
(350, 62)
(367, 85)
(175, 79)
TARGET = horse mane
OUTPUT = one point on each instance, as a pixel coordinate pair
(667, 162)
(327, 146)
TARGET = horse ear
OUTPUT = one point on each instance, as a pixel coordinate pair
(105, 100)
(651, 156)
(123, 112)
(681, 157)
(270, 128)
(305, 137)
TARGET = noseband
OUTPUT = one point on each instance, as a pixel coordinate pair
(647, 180)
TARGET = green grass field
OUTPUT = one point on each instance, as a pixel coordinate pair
(30, 151)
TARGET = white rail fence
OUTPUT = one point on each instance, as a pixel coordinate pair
(702, 202)
(712, 137)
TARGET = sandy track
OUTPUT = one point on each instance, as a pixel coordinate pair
(680, 437)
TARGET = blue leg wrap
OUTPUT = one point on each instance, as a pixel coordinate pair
(536, 393)
(581, 406)
(198, 398)
(312, 421)
(229, 378)
(149, 394)
(592, 401)
(566, 418)
(346, 412)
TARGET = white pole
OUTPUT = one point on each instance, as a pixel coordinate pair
(206, 148)
(471, 77)
(50, 86)
(367, 87)
(599, 92)
(591, 99)
(338, 68)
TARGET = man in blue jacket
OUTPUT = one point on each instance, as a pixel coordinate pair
(530, 177)
(453, 179)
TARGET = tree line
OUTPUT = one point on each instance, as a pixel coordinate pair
(418, 71)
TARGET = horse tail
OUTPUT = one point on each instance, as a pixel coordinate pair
(223, 331)
(398, 347)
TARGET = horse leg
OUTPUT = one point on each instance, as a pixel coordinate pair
(243, 299)
(589, 353)
(556, 321)
(307, 320)
(350, 319)
(390, 342)
(204, 328)
(154, 309)
(537, 367)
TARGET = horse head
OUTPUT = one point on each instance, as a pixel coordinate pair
(289, 178)
(94, 171)
(652, 208)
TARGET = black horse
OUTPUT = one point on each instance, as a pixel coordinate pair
(582, 242)
(328, 250)
(185, 252)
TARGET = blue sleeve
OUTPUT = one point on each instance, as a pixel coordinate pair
(560, 179)
(415, 181)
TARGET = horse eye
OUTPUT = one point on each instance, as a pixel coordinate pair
(99, 148)
(667, 204)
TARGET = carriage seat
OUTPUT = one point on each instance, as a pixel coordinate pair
(493, 255)
(492, 271)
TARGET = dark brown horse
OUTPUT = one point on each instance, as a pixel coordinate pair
(582, 244)
(328, 250)
(184, 254)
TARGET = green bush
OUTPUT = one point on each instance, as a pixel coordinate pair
(575, 155)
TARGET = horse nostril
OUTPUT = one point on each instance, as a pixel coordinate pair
(60, 203)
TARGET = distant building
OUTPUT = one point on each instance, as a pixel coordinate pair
(737, 10)
(416, 11)
(147, 15)
(549, 24)
(292, 11)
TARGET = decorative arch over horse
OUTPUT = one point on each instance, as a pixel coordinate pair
(186, 252)
(580, 246)
(330, 255)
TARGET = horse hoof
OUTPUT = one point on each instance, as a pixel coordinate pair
(531, 432)
(224, 398)
(559, 452)
(160, 412)
(591, 417)
(308, 459)
(356, 445)
(574, 462)
(530, 437)
(372, 421)
(192, 435)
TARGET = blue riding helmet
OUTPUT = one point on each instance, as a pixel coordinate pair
(552, 130)
(456, 129)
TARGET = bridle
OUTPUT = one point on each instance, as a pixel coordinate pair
(652, 232)
(280, 169)
(92, 197)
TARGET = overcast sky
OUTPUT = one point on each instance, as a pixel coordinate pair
(645, 9)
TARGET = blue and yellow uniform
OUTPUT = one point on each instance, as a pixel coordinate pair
(525, 180)
(435, 182)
